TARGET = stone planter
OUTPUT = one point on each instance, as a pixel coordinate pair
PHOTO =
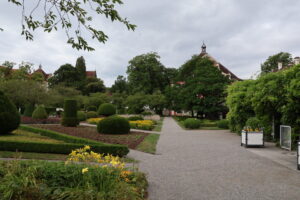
(298, 156)
(252, 139)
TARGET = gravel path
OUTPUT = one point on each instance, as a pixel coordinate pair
(211, 165)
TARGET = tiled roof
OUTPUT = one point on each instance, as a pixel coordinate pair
(91, 74)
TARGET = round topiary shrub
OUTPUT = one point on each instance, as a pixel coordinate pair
(70, 113)
(81, 116)
(9, 115)
(192, 123)
(107, 109)
(29, 108)
(91, 114)
(135, 118)
(223, 124)
(40, 113)
(254, 123)
(114, 125)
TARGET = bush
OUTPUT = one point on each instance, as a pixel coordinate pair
(107, 109)
(81, 116)
(135, 118)
(70, 113)
(91, 114)
(254, 123)
(99, 147)
(192, 123)
(114, 125)
(9, 115)
(91, 108)
(29, 108)
(145, 113)
(50, 110)
(223, 124)
(37, 180)
(40, 113)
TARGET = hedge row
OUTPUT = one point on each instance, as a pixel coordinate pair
(120, 149)
(65, 148)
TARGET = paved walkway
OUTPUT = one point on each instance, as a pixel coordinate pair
(211, 165)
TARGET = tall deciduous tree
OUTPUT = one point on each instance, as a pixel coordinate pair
(146, 74)
(271, 63)
(81, 68)
(66, 75)
(120, 85)
(73, 17)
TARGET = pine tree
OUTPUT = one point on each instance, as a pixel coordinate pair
(81, 68)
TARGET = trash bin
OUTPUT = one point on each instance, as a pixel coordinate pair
(252, 138)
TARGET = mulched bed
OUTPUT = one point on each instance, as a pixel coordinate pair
(30, 120)
(132, 140)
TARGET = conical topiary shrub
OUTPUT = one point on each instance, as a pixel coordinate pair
(40, 113)
(107, 109)
(9, 115)
(70, 113)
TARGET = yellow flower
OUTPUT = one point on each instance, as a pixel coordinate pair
(84, 170)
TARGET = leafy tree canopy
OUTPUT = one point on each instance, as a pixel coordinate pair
(66, 75)
(271, 63)
(120, 85)
(74, 17)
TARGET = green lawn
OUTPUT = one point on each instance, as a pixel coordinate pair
(149, 144)
(159, 124)
(21, 135)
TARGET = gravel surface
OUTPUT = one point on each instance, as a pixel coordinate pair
(211, 164)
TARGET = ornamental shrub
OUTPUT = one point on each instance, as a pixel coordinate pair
(135, 118)
(81, 116)
(253, 123)
(107, 109)
(223, 124)
(114, 125)
(40, 113)
(192, 123)
(9, 115)
(91, 114)
(70, 113)
(91, 108)
(29, 108)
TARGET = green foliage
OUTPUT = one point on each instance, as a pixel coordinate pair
(63, 16)
(271, 63)
(107, 109)
(66, 75)
(70, 113)
(40, 180)
(114, 125)
(146, 74)
(118, 99)
(29, 108)
(9, 115)
(81, 68)
(91, 114)
(223, 124)
(119, 150)
(192, 123)
(81, 116)
(40, 113)
(145, 113)
(135, 118)
(96, 99)
(136, 103)
(120, 85)
(254, 123)
(91, 108)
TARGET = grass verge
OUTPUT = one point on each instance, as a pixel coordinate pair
(149, 144)
(158, 127)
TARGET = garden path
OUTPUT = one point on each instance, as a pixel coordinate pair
(211, 164)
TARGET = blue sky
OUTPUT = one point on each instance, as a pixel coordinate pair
(239, 34)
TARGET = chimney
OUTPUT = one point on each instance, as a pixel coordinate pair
(280, 66)
(297, 60)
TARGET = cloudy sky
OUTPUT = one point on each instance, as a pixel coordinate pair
(240, 34)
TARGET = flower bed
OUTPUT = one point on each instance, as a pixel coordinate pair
(94, 120)
(50, 120)
(142, 124)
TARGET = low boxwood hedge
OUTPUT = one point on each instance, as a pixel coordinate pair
(60, 148)
(119, 150)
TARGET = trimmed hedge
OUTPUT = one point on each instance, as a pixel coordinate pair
(29, 108)
(223, 124)
(65, 148)
(70, 113)
(91, 114)
(114, 149)
(81, 116)
(91, 108)
(192, 123)
(9, 116)
(107, 109)
(40, 113)
(114, 125)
